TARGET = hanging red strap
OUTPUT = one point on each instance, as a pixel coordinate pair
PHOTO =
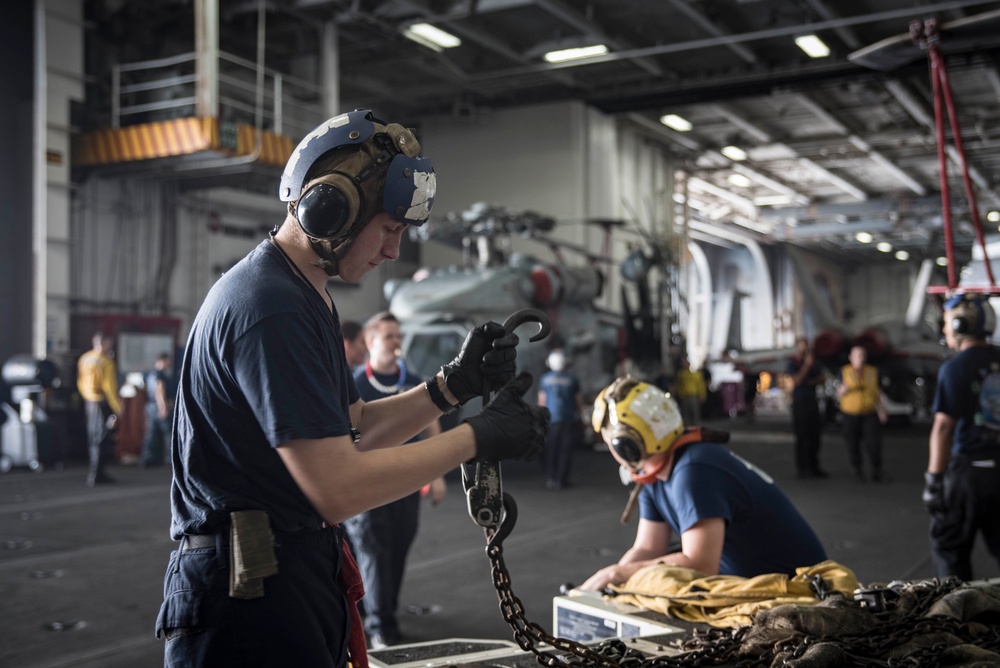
(928, 37)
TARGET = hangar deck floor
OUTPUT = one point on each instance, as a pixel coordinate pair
(81, 569)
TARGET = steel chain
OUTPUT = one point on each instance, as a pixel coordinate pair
(528, 635)
(714, 647)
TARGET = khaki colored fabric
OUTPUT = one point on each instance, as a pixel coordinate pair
(728, 601)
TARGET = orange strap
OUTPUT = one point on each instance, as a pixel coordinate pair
(354, 590)
(690, 435)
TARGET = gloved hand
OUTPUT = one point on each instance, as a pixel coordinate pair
(507, 427)
(487, 359)
(933, 496)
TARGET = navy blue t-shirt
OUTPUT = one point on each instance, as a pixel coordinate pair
(764, 531)
(560, 390)
(403, 379)
(958, 395)
(806, 390)
(169, 385)
(264, 364)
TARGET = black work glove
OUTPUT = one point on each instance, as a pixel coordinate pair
(933, 496)
(507, 427)
(486, 361)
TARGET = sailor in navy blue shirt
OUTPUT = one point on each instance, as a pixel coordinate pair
(731, 517)
(962, 482)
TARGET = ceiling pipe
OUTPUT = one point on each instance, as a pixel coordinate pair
(705, 24)
(846, 35)
(755, 35)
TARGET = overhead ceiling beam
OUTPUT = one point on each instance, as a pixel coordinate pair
(692, 145)
(775, 185)
(765, 137)
(746, 205)
(840, 182)
(575, 19)
(919, 112)
(994, 78)
(662, 132)
(859, 143)
(711, 28)
(845, 34)
(754, 35)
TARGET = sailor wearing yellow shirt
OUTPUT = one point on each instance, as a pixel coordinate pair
(97, 382)
(864, 413)
(690, 390)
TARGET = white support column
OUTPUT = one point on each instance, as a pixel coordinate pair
(39, 189)
(330, 69)
(206, 44)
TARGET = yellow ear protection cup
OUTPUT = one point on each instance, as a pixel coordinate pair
(637, 419)
(384, 171)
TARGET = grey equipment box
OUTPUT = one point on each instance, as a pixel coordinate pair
(495, 653)
(452, 651)
(587, 617)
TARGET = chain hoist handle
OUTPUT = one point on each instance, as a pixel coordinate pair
(483, 492)
(483, 486)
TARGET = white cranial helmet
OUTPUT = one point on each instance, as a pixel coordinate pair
(557, 360)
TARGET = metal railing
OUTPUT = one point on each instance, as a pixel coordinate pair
(166, 88)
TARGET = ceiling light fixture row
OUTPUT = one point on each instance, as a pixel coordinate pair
(431, 37)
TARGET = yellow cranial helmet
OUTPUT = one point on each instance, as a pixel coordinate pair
(637, 419)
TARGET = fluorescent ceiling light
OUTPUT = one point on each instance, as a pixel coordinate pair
(697, 204)
(431, 37)
(576, 53)
(902, 255)
(993, 216)
(734, 153)
(813, 46)
(863, 237)
(884, 246)
(771, 200)
(941, 261)
(675, 122)
(739, 180)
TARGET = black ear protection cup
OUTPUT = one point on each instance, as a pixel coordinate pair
(331, 202)
(387, 166)
(971, 317)
(627, 448)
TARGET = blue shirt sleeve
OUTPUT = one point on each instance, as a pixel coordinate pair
(292, 396)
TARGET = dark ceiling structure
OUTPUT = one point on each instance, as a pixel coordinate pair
(833, 145)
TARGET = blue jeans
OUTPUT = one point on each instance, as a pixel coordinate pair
(157, 437)
(302, 619)
(381, 540)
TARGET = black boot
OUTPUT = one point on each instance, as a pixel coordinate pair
(97, 475)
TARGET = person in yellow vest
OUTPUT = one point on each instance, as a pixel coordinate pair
(689, 387)
(864, 412)
(97, 382)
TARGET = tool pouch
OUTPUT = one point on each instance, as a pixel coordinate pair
(251, 557)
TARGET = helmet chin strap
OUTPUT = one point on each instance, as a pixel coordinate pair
(649, 477)
(690, 435)
(331, 255)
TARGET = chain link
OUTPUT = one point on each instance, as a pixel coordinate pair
(715, 647)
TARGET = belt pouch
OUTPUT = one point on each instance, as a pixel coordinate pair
(251, 554)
